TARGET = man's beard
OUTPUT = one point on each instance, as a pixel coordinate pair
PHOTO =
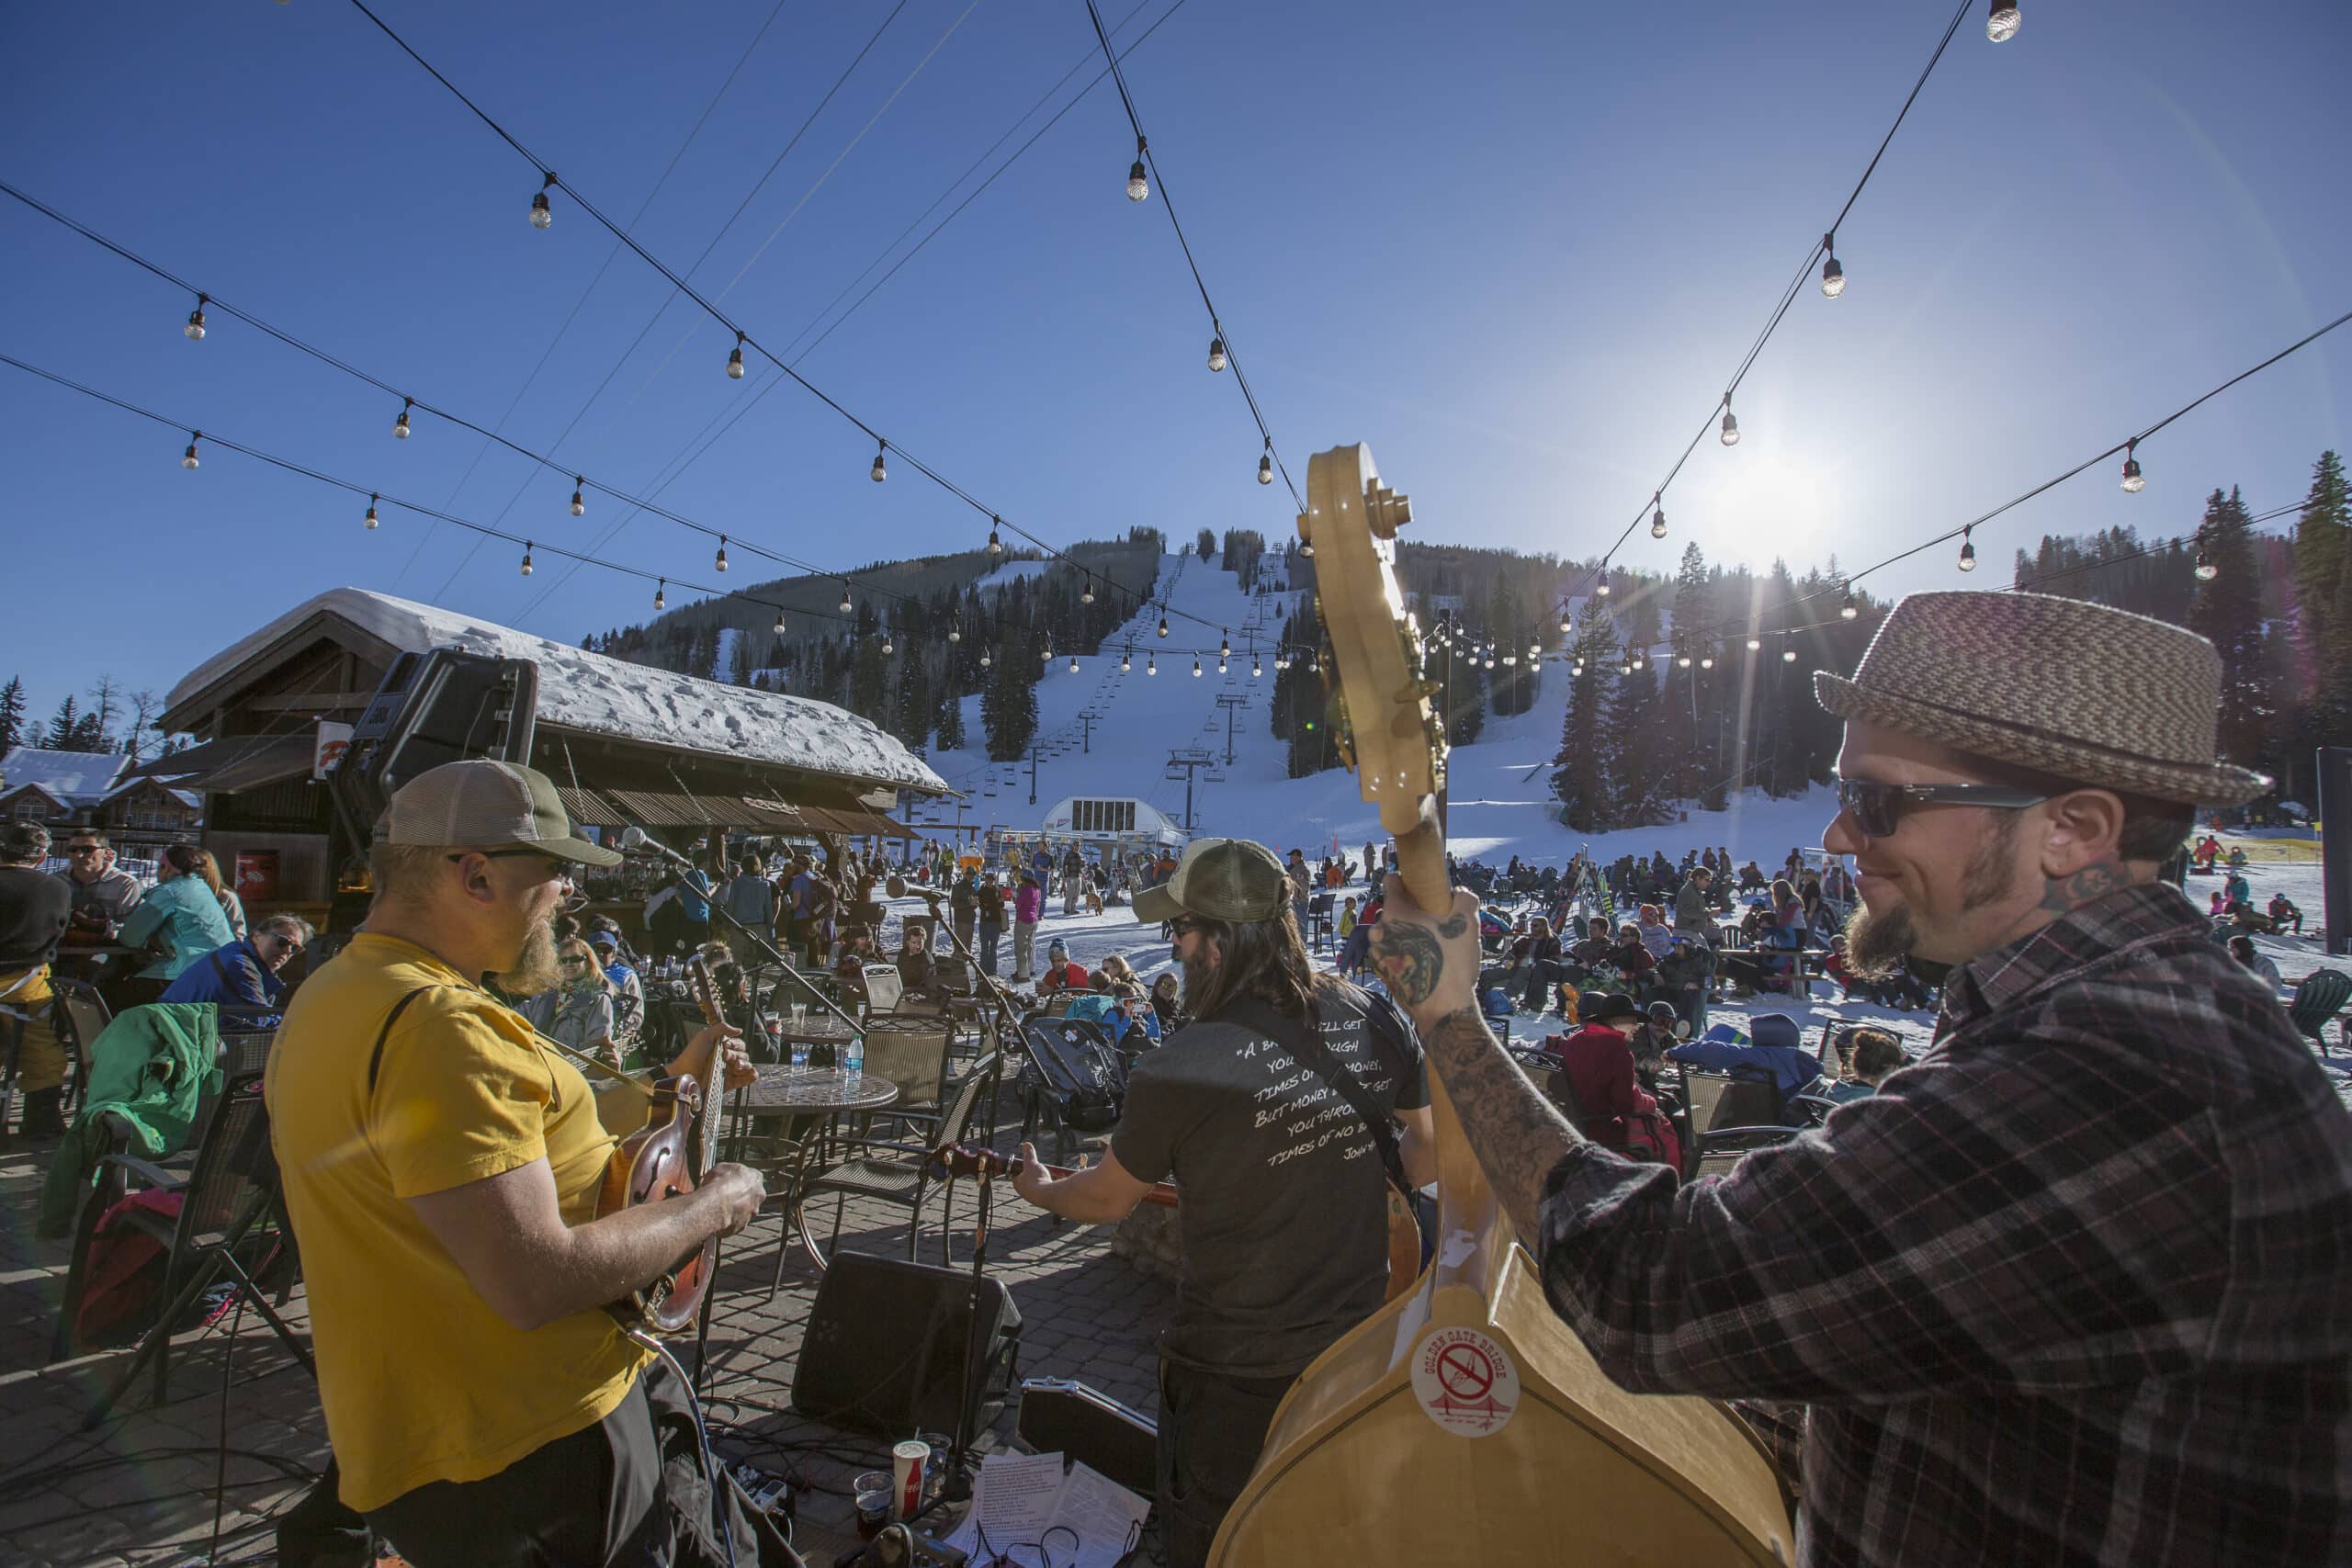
(1196, 977)
(534, 968)
(1876, 943)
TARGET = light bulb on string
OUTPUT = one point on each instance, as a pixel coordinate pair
(371, 510)
(1139, 184)
(779, 625)
(1755, 643)
(1126, 660)
(847, 607)
(1787, 649)
(1641, 661)
(996, 544)
(2133, 481)
(2205, 569)
(2001, 22)
(579, 497)
(720, 564)
(188, 457)
(879, 471)
(1086, 594)
(887, 647)
(1848, 610)
(1196, 667)
(1220, 666)
(1510, 661)
(1603, 589)
(1706, 662)
(1683, 660)
(1217, 353)
(1968, 549)
(194, 331)
(1224, 647)
(955, 632)
(1163, 625)
(1730, 436)
(1833, 276)
(985, 660)
(1266, 464)
(542, 214)
(1256, 668)
(400, 425)
(1657, 516)
(735, 359)
(526, 557)
(1534, 653)
(1151, 665)
(1073, 663)
(661, 595)
(1624, 666)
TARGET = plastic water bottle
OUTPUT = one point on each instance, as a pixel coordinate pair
(853, 1056)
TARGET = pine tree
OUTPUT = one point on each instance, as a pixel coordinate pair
(63, 725)
(950, 719)
(915, 705)
(1580, 776)
(1009, 699)
(12, 714)
(869, 681)
(2228, 613)
(2320, 549)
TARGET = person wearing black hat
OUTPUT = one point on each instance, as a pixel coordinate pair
(1597, 1077)
(2078, 1286)
(1253, 1109)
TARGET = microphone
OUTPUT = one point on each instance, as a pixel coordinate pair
(636, 838)
(899, 888)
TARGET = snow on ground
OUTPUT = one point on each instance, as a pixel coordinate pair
(1011, 572)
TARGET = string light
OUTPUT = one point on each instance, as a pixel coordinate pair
(886, 646)
(1833, 276)
(1968, 549)
(1510, 661)
(955, 632)
(1086, 594)
(1534, 652)
(1256, 668)
(1788, 648)
(1706, 662)
(400, 425)
(984, 659)
(847, 607)
(526, 557)
(1731, 424)
(1224, 647)
(2205, 569)
(1217, 353)
(1624, 666)
(1126, 660)
(720, 564)
(579, 499)
(1603, 589)
(188, 459)
(2001, 23)
(1073, 663)
(1220, 666)
(735, 360)
(1306, 547)
(1848, 610)
(1640, 661)
(1163, 625)
(542, 214)
(1151, 665)
(779, 626)
(996, 545)
(1266, 464)
(371, 511)
(194, 331)
(1196, 667)
(1755, 643)
(2133, 481)
(879, 472)
(1138, 187)
(1657, 515)
(661, 595)
(1683, 660)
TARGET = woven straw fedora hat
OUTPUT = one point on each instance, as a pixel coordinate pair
(2096, 696)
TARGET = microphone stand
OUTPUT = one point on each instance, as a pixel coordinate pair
(957, 1485)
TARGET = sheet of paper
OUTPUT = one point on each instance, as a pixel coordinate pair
(1013, 1500)
(1106, 1515)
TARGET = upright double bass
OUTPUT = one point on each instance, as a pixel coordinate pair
(1464, 1422)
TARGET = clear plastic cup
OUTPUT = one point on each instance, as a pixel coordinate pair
(873, 1491)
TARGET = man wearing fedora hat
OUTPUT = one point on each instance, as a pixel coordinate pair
(443, 1166)
(1261, 1109)
(2076, 1287)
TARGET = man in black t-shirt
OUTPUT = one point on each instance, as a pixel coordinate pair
(1283, 1184)
(33, 912)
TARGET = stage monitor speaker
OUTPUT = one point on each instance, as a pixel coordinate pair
(1061, 1417)
(885, 1345)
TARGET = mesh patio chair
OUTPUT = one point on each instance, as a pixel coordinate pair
(2319, 995)
(895, 1173)
(81, 1015)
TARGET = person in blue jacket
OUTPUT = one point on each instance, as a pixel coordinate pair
(1772, 1049)
(182, 910)
(244, 973)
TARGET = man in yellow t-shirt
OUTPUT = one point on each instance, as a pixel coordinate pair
(442, 1165)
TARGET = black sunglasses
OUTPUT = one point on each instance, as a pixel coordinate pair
(1180, 926)
(1877, 808)
(83, 848)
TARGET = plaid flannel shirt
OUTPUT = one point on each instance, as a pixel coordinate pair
(2075, 1289)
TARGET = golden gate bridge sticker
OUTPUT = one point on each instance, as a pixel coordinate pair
(1465, 1381)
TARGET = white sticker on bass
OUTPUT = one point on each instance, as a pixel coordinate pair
(1465, 1381)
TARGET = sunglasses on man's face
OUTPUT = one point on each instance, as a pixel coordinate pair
(1180, 929)
(83, 848)
(575, 963)
(1878, 809)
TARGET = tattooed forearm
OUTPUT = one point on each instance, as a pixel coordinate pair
(1517, 1134)
(1411, 958)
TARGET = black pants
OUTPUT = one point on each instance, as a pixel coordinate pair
(1211, 1429)
(629, 1492)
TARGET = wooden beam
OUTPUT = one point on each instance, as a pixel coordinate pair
(315, 701)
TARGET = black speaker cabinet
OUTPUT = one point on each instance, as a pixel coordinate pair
(886, 1344)
(1061, 1417)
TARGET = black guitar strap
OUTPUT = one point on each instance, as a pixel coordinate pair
(376, 1058)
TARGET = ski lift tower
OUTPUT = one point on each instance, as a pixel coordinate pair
(1192, 759)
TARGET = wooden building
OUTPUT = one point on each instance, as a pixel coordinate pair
(625, 744)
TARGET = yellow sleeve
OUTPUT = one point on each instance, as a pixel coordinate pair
(456, 1099)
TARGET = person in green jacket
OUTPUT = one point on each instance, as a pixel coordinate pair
(183, 910)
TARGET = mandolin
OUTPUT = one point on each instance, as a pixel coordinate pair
(664, 1158)
(1464, 1422)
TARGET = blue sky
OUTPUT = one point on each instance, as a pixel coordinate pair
(1517, 248)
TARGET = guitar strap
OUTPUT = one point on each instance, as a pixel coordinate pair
(1303, 1043)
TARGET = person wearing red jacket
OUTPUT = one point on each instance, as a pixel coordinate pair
(1061, 975)
(1596, 1062)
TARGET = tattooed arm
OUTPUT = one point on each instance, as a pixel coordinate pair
(1431, 965)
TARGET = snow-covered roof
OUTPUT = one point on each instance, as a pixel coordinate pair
(187, 797)
(603, 696)
(75, 778)
(12, 790)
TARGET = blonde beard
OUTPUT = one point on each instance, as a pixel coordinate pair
(534, 969)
